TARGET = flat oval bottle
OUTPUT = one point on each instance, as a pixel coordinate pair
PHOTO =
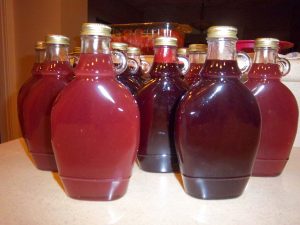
(95, 124)
(278, 107)
(157, 102)
(217, 124)
(56, 74)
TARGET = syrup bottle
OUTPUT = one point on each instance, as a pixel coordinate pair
(95, 123)
(278, 107)
(217, 124)
(157, 103)
(197, 56)
(40, 54)
(135, 72)
(37, 104)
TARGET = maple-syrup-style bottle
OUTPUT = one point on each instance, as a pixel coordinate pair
(278, 107)
(37, 104)
(40, 54)
(135, 72)
(95, 123)
(217, 124)
(157, 102)
(197, 56)
(125, 78)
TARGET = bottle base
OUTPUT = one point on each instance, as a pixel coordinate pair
(158, 163)
(95, 189)
(268, 167)
(44, 161)
(214, 188)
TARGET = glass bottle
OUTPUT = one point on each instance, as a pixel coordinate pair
(217, 124)
(95, 123)
(278, 107)
(197, 56)
(135, 72)
(40, 54)
(74, 56)
(125, 78)
(56, 74)
(157, 103)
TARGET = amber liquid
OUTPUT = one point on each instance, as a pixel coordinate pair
(157, 103)
(193, 75)
(279, 114)
(217, 133)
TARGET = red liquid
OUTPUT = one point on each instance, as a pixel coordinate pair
(37, 106)
(25, 89)
(132, 81)
(193, 75)
(157, 103)
(95, 132)
(217, 133)
(279, 114)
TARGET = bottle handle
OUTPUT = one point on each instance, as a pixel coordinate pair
(284, 65)
(120, 61)
(145, 66)
(244, 61)
(186, 64)
(132, 65)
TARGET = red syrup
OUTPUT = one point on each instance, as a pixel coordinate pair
(217, 133)
(25, 89)
(95, 131)
(37, 106)
(132, 80)
(193, 75)
(279, 114)
(157, 103)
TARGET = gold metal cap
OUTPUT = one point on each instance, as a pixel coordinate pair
(266, 43)
(40, 45)
(222, 32)
(133, 50)
(57, 39)
(197, 48)
(95, 29)
(119, 46)
(182, 51)
(77, 50)
(169, 41)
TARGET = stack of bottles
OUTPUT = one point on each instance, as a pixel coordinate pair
(92, 122)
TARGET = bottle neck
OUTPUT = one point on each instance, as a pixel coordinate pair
(197, 57)
(136, 57)
(57, 52)
(221, 49)
(265, 55)
(165, 54)
(95, 44)
(40, 55)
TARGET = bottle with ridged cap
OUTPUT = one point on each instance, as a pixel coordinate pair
(157, 102)
(95, 123)
(125, 78)
(56, 74)
(217, 124)
(40, 53)
(197, 56)
(278, 107)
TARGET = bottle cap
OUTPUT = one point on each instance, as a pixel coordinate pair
(40, 45)
(222, 32)
(197, 48)
(133, 50)
(182, 51)
(77, 50)
(169, 41)
(57, 39)
(95, 29)
(119, 46)
(266, 43)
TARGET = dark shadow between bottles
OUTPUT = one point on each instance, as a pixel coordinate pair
(58, 180)
(179, 179)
